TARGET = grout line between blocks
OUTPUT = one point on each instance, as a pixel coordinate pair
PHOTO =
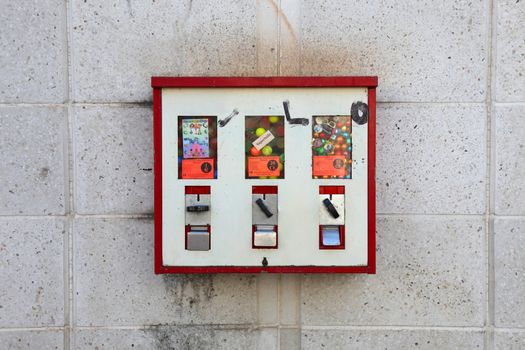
(251, 326)
(278, 66)
(396, 328)
(279, 284)
(68, 253)
(148, 104)
(490, 186)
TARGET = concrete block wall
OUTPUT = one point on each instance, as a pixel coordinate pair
(76, 230)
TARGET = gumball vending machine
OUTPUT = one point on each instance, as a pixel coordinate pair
(264, 174)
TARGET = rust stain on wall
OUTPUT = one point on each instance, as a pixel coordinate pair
(285, 20)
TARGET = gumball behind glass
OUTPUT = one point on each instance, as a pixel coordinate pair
(267, 150)
(260, 131)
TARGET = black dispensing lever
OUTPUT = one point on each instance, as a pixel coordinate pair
(197, 208)
(264, 208)
(330, 207)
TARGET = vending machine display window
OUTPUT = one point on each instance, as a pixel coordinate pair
(332, 147)
(197, 147)
(264, 147)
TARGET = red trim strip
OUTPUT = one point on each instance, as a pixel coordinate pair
(157, 160)
(372, 181)
(262, 82)
(197, 190)
(331, 190)
(259, 269)
(264, 189)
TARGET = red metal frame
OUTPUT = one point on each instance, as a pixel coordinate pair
(264, 189)
(270, 82)
(197, 190)
(331, 190)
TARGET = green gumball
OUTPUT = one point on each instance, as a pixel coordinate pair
(260, 131)
(267, 150)
(273, 119)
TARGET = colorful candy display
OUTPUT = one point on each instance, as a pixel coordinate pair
(332, 138)
(197, 147)
(264, 147)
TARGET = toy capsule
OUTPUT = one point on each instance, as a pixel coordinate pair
(327, 128)
(265, 123)
(317, 143)
(328, 147)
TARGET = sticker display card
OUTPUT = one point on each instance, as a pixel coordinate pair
(195, 138)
